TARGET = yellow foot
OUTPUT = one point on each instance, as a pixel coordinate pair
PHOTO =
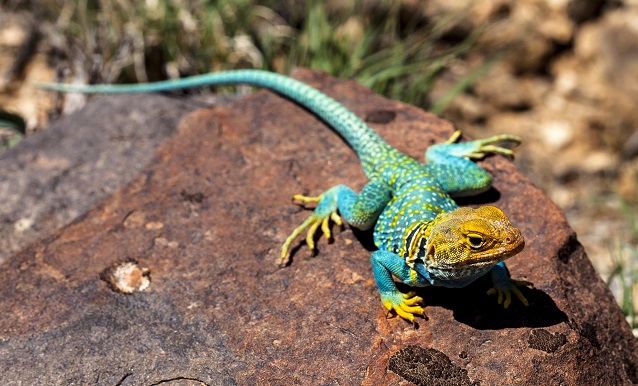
(505, 294)
(312, 223)
(405, 305)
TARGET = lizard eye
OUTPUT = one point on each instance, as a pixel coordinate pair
(476, 241)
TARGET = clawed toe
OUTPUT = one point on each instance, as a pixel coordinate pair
(490, 145)
(404, 305)
(314, 222)
(505, 294)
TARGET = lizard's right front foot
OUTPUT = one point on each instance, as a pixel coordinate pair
(325, 211)
(405, 305)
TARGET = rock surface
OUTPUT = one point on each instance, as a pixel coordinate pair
(205, 221)
(57, 175)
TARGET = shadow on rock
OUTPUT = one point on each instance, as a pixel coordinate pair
(472, 306)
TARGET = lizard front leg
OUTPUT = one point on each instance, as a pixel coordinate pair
(360, 210)
(385, 264)
(504, 286)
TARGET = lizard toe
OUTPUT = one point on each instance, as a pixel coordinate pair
(504, 292)
(404, 305)
(325, 211)
(411, 299)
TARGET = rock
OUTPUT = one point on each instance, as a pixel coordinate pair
(603, 62)
(21, 64)
(556, 134)
(628, 181)
(580, 11)
(630, 148)
(51, 178)
(206, 219)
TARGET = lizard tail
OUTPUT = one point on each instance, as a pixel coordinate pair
(366, 143)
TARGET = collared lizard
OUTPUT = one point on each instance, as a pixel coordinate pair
(423, 237)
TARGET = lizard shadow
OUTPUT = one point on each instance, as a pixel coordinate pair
(472, 306)
(490, 196)
(365, 238)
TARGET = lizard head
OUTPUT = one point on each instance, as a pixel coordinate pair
(466, 242)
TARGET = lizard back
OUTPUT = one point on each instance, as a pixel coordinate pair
(418, 197)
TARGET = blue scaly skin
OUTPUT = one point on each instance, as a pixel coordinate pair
(423, 237)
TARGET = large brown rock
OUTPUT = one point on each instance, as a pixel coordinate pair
(205, 222)
(51, 178)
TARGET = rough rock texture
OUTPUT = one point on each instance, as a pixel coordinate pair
(57, 175)
(205, 223)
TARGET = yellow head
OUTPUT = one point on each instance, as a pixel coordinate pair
(463, 242)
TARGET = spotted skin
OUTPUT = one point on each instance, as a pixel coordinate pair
(423, 237)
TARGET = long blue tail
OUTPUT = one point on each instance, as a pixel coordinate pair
(365, 141)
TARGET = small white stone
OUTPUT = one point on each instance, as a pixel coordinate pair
(22, 225)
(557, 134)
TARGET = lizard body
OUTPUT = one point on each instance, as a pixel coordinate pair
(423, 237)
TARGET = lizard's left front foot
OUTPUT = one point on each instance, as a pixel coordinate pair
(405, 305)
(325, 211)
(505, 288)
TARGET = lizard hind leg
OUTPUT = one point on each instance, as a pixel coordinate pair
(325, 211)
(476, 149)
(360, 210)
(451, 162)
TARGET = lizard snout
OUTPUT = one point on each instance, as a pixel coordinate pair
(513, 239)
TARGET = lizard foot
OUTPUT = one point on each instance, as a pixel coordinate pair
(405, 305)
(505, 289)
(480, 148)
(325, 211)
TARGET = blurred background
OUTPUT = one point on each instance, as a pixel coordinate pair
(562, 74)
